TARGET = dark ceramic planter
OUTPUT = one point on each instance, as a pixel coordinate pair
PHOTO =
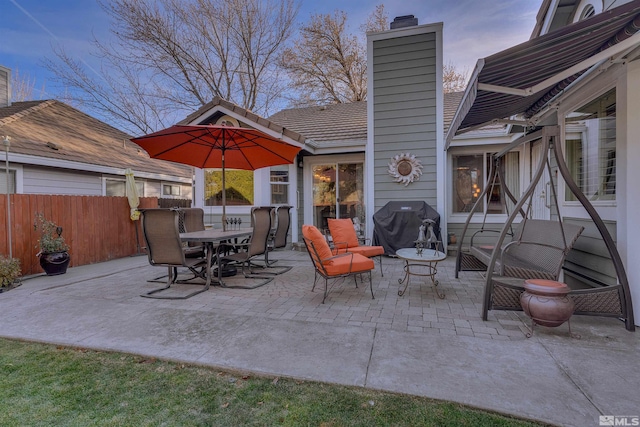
(54, 263)
(547, 302)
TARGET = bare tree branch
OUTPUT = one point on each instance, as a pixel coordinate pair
(452, 79)
(169, 57)
(325, 64)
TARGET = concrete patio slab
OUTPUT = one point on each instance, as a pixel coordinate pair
(417, 344)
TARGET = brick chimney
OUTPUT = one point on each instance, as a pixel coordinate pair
(404, 21)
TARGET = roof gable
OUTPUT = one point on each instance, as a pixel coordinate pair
(208, 113)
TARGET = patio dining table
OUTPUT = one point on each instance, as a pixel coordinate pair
(210, 237)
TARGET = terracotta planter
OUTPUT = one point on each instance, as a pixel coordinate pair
(54, 263)
(546, 302)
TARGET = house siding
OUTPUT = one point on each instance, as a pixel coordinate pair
(589, 256)
(38, 180)
(5, 86)
(404, 111)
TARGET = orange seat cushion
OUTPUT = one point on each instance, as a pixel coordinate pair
(345, 265)
(342, 230)
(314, 235)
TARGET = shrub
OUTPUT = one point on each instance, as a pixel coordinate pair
(9, 271)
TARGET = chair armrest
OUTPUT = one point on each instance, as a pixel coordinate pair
(342, 255)
(337, 246)
(364, 240)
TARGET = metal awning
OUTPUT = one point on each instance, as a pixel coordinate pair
(523, 78)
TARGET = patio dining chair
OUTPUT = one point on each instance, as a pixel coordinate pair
(245, 253)
(279, 232)
(160, 228)
(191, 219)
(330, 266)
(345, 239)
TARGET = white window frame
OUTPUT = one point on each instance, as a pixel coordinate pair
(607, 209)
(172, 185)
(285, 185)
(478, 217)
(19, 177)
(583, 6)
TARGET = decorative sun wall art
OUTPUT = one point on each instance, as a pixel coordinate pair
(405, 168)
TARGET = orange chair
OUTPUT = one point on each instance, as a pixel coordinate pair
(331, 266)
(345, 239)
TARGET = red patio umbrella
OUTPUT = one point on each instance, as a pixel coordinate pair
(208, 146)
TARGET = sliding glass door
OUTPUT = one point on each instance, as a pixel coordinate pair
(338, 192)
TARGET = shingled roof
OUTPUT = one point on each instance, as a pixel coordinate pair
(343, 122)
(54, 130)
(327, 123)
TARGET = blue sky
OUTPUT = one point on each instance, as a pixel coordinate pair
(473, 29)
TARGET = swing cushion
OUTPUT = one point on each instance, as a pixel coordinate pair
(537, 251)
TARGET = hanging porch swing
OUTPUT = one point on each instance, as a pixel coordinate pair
(537, 248)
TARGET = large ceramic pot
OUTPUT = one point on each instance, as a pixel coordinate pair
(547, 302)
(54, 263)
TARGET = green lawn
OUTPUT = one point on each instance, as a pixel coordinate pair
(45, 385)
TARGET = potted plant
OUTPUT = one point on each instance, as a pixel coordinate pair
(9, 272)
(54, 258)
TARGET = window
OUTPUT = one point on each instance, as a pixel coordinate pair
(239, 185)
(117, 187)
(587, 12)
(171, 189)
(590, 137)
(280, 185)
(3, 182)
(470, 175)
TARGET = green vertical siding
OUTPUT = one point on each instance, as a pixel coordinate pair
(404, 114)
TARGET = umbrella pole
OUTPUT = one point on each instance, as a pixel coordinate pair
(224, 198)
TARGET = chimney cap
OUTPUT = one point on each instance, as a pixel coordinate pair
(404, 21)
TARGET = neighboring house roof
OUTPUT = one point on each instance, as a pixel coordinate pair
(205, 116)
(54, 130)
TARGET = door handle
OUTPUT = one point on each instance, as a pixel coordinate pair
(547, 200)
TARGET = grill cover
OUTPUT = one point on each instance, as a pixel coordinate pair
(396, 224)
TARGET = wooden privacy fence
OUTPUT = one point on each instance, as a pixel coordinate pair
(96, 228)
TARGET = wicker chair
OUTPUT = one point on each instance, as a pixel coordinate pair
(330, 266)
(160, 228)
